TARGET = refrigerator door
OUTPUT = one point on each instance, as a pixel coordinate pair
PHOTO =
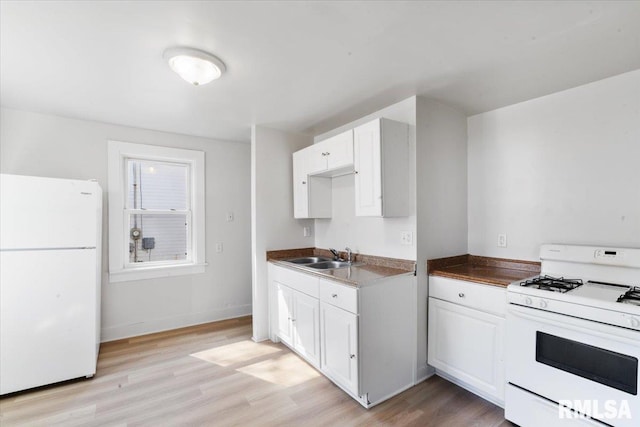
(46, 213)
(47, 317)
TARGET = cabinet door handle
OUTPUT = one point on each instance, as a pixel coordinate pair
(355, 172)
(304, 182)
(334, 295)
(353, 356)
(461, 295)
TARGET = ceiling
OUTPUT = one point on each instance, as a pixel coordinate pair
(302, 66)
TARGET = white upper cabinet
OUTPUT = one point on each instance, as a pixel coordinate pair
(313, 168)
(332, 156)
(316, 158)
(339, 151)
(300, 186)
(311, 194)
(378, 151)
(381, 162)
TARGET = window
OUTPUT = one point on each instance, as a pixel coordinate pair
(156, 211)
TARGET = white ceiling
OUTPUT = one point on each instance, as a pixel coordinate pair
(302, 66)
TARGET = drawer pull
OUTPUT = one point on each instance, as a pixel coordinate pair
(461, 295)
(334, 295)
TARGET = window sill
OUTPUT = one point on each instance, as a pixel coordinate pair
(155, 272)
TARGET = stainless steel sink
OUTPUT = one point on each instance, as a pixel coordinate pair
(308, 260)
(327, 265)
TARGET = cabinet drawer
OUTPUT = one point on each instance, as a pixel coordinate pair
(305, 283)
(341, 296)
(492, 299)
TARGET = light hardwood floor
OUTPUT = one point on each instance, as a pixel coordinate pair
(214, 375)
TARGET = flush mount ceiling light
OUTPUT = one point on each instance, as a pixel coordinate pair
(193, 65)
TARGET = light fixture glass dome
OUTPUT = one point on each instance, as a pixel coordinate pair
(193, 65)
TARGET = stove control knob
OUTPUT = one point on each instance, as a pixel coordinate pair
(528, 301)
(543, 304)
(634, 322)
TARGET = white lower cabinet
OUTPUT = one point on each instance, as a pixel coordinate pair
(284, 303)
(298, 322)
(361, 338)
(466, 335)
(306, 321)
(339, 344)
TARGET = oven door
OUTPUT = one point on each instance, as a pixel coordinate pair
(588, 366)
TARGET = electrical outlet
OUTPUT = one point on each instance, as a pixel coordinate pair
(219, 247)
(306, 231)
(229, 216)
(502, 240)
(406, 238)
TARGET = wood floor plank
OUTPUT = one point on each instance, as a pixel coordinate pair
(215, 375)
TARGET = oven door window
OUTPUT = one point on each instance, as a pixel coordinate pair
(596, 364)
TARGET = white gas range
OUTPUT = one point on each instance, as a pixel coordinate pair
(573, 340)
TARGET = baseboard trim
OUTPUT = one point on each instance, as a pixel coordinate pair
(151, 326)
(423, 372)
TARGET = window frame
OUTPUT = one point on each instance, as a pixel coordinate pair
(120, 269)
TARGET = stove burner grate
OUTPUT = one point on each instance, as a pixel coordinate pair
(554, 284)
(632, 296)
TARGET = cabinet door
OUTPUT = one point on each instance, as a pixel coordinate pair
(368, 168)
(306, 327)
(316, 158)
(300, 185)
(339, 150)
(467, 344)
(339, 346)
(285, 311)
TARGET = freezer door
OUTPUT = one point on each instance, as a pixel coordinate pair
(40, 212)
(48, 306)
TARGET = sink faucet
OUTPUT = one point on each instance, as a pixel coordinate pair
(336, 254)
(348, 254)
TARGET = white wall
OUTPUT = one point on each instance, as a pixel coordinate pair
(45, 145)
(372, 236)
(441, 199)
(564, 168)
(273, 225)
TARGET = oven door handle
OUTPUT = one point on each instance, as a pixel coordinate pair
(600, 330)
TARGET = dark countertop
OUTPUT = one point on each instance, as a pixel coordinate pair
(488, 271)
(366, 268)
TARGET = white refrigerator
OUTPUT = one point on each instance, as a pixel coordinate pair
(50, 276)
